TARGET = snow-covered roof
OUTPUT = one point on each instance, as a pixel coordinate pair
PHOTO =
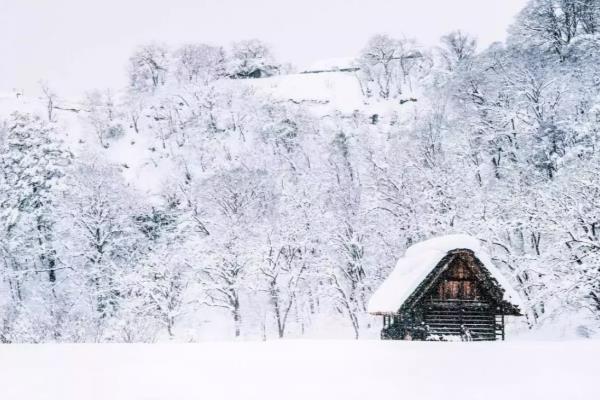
(419, 260)
(324, 93)
(331, 64)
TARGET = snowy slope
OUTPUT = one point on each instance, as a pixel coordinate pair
(143, 162)
(302, 370)
(328, 93)
(15, 101)
(144, 169)
(147, 166)
(325, 92)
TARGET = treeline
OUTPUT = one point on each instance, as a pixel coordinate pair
(281, 221)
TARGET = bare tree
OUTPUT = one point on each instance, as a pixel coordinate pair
(148, 67)
(387, 62)
(457, 48)
(199, 63)
(283, 271)
(51, 98)
(222, 283)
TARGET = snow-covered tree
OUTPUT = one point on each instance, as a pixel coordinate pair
(457, 48)
(105, 118)
(386, 64)
(148, 68)
(33, 164)
(251, 59)
(100, 241)
(199, 63)
(552, 24)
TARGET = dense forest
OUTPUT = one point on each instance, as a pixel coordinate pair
(202, 202)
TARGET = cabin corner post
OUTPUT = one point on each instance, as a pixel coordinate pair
(503, 324)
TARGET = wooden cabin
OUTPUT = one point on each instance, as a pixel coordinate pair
(445, 292)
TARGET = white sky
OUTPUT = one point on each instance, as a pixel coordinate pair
(78, 45)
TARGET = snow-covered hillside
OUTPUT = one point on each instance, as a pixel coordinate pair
(148, 165)
(325, 93)
(219, 195)
(302, 370)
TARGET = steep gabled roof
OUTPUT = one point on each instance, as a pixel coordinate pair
(418, 263)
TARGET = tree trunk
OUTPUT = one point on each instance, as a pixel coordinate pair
(237, 318)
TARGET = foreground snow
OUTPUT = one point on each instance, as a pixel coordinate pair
(302, 370)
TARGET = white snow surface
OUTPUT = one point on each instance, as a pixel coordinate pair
(325, 93)
(419, 260)
(304, 370)
(331, 64)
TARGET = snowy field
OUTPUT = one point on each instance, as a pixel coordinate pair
(302, 370)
